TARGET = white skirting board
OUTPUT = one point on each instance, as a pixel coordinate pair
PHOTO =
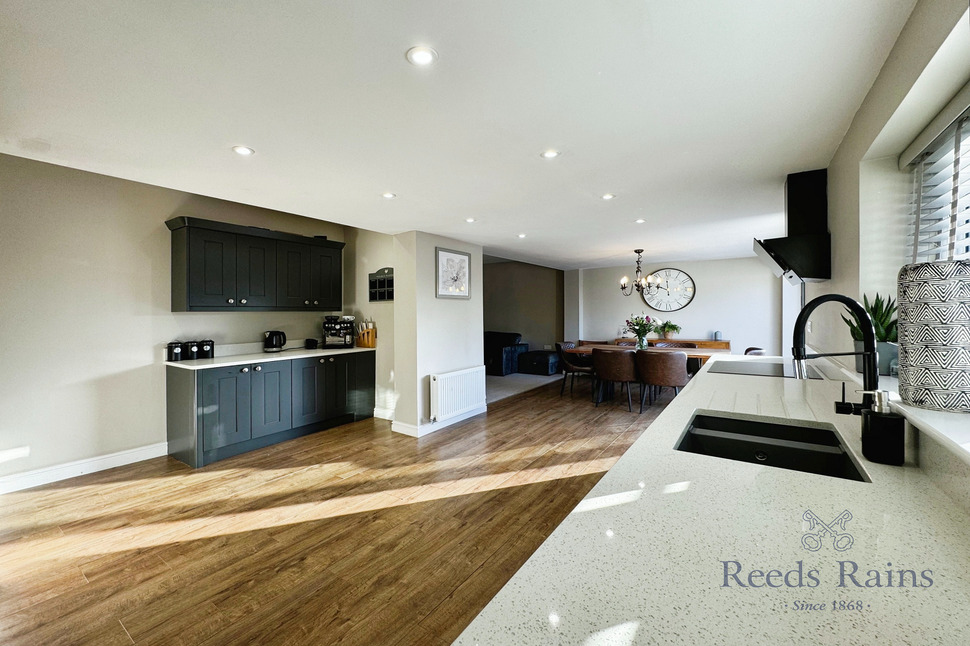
(47, 475)
(431, 427)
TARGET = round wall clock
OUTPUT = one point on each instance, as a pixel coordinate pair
(674, 292)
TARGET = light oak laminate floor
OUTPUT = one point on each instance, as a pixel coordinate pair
(354, 535)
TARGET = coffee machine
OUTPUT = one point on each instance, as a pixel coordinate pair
(338, 331)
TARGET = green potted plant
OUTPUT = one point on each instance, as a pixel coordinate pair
(640, 327)
(883, 314)
(667, 329)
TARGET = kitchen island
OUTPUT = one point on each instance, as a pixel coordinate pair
(677, 548)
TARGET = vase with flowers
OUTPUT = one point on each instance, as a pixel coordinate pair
(640, 326)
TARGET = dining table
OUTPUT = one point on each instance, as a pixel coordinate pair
(701, 354)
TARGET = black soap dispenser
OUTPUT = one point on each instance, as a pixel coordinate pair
(883, 431)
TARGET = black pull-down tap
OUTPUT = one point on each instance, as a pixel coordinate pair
(870, 372)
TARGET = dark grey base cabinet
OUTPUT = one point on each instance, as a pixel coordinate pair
(226, 267)
(216, 413)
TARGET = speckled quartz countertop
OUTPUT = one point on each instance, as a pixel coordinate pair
(642, 559)
(259, 357)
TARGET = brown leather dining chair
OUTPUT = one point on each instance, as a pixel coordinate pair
(659, 370)
(693, 365)
(570, 366)
(628, 343)
(610, 366)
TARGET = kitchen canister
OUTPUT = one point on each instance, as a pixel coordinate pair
(934, 335)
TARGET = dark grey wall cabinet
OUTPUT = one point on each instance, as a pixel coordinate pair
(226, 267)
(219, 412)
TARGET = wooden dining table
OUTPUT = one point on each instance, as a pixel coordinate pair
(702, 354)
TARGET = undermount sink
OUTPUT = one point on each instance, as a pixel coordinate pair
(813, 447)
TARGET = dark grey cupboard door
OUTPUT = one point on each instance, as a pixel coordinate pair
(272, 397)
(293, 277)
(225, 406)
(326, 279)
(255, 272)
(309, 391)
(341, 370)
(212, 268)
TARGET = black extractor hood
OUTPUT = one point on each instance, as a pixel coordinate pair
(805, 254)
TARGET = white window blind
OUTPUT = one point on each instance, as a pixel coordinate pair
(941, 196)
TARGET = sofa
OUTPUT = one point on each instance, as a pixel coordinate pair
(502, 350)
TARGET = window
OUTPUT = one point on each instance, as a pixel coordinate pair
(941, 196)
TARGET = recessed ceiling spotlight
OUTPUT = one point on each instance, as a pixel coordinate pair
(389, 196)
(608, 196)
(521, 235)
(639, 220)
(421, 56)
(469, 220)
(245, 151)
(550, 154)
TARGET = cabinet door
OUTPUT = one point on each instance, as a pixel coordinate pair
(255, 272)
(272, 397)
(212, 268)
(326, 280)
(225, 406)
(341, 374)
(309, 391)
(293, 275)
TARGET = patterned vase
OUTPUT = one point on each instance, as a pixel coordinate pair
(934, 335)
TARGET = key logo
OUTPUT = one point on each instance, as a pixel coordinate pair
(818, 530)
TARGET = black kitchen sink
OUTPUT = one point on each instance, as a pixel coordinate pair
(812, 447)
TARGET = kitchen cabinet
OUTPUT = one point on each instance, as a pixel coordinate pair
(323, 388)
(226, 267)
(217, 411)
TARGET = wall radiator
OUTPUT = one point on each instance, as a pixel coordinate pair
(458, 392)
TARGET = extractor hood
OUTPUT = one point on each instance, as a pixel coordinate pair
(805, 254)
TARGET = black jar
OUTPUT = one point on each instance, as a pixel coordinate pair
(207, 349)
(174, 351)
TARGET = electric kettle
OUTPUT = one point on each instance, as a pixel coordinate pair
(274, 341)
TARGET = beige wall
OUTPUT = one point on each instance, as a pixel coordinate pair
(740, 297)
(524, 298)
(85, 308)
(365, 253)
(431, 335)
(928, 26)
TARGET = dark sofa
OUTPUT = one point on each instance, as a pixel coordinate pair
(502, 350)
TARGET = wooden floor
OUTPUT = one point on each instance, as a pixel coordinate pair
(354, 535)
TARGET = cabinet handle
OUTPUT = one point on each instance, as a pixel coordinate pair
(242, 301)
(322, 360)
(306, 302)
(258, 368)
(331, 359)
(231, 300)
(316, 302)
(244, 370)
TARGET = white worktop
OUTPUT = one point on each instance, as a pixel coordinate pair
(640, 559)
(259, 357)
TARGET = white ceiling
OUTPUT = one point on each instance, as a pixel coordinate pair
(692, 112)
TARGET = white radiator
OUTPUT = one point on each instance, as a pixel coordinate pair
(458, 392)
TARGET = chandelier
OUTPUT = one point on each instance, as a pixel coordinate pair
(648, 285)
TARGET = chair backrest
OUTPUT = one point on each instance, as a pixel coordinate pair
(755, 350)
(614, 365)
(630, 343)
(662, 368)
(675, 344)
(588, 342)
(565, 359)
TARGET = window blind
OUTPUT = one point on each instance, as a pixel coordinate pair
(941, 196)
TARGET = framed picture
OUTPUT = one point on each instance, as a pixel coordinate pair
(453, 273)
